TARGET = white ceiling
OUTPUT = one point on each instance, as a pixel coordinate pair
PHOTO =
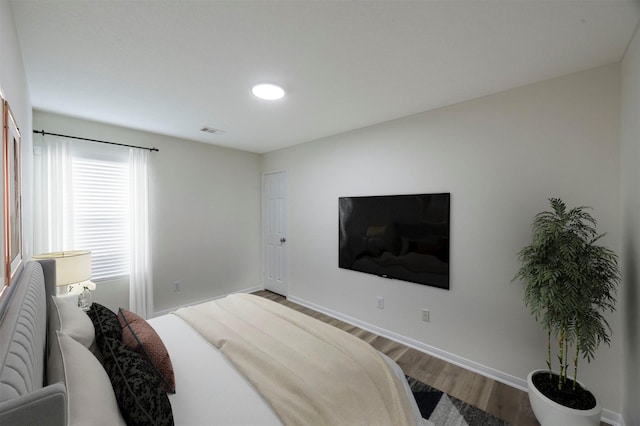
(171, 67)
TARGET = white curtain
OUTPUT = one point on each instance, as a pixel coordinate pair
(54, 222)
(53, 227)
(140, 277)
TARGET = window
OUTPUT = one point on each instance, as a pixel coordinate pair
(101, 213)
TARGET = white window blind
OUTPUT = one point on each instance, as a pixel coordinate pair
(101, 214)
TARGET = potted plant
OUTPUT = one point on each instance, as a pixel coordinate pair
(569, 282)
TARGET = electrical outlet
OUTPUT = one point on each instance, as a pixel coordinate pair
(380, 302)
(177, 286)
(425, 315)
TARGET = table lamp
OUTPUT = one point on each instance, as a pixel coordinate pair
(73, 270)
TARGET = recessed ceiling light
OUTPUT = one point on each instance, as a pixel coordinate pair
(269, 92)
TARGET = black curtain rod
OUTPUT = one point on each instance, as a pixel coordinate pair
(42, 132)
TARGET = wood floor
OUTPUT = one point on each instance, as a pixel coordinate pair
(503, 401)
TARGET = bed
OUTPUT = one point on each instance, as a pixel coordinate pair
(60, 366)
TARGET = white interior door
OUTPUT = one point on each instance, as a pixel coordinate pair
(275, 269)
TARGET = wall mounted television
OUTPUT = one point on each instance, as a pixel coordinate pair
(405, 237)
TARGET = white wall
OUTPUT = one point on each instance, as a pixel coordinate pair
(630, 194)
(13, 85)
(204, 214)
(501, 157)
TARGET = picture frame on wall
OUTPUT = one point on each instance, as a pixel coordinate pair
(12, 189)
(4, 284)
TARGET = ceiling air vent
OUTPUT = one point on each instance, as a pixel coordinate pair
(212, 130)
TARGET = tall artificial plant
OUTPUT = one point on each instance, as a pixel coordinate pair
(570, 282)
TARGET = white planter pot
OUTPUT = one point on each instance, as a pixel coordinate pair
(550, 413)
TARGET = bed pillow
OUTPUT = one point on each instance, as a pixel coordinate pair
(65, 316)
(137, 387)
(90, 397)
(141, 337)
(105, 323)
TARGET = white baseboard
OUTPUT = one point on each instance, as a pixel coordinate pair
(608, 416)
(168, 311)
(423, 347)
(612, 417)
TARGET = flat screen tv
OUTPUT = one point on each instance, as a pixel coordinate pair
(405, 237)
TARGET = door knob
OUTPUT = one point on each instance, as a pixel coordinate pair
(283, 239)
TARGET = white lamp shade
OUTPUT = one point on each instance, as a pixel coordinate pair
(71, 266)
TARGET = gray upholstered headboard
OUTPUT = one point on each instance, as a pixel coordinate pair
(25, 397)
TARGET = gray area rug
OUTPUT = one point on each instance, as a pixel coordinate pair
(445, 410)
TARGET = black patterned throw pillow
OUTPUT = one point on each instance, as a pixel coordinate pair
(138, 388)
(105, 322)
